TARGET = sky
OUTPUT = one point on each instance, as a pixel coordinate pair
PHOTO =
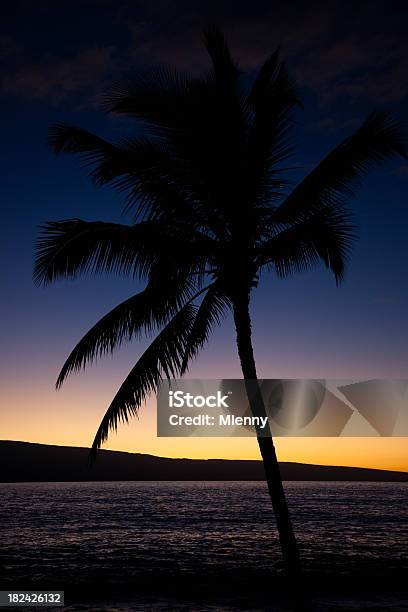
(56, 59)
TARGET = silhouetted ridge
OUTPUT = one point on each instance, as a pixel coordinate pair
(28, 462)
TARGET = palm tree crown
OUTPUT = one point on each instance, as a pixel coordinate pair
(211, 210)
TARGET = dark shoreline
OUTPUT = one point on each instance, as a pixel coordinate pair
(31, 462)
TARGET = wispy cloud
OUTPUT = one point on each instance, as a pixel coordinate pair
(55, 79)
(340, 50)
(333, 48)
(401, 171)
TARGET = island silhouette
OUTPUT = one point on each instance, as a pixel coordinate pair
(30, 462)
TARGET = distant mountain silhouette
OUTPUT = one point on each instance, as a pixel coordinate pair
(28, 462)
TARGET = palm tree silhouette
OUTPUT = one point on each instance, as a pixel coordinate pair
(208, 193)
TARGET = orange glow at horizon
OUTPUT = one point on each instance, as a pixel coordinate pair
(31, 410)
(68, 425)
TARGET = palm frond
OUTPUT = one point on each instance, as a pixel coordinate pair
(163, 358)
(157, 184)
(273, 87)
(158, 97)
(145, 170)
(270, 103)
(226, 71)
(272, 99)
(333, 181)
(209, 315)
(68, 248)
(326, 236)
(144, 312)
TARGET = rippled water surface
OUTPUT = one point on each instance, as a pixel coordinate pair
(133, 532)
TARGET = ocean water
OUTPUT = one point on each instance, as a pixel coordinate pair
(152, 539)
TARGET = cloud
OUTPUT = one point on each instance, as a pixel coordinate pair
(401, 171)
(8, 47)
(341, 50)
(55, 79)
(331, 124)
(354, 51)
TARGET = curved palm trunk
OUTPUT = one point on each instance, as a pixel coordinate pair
(272, 473)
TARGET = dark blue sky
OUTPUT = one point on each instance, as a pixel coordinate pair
(56, 59)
